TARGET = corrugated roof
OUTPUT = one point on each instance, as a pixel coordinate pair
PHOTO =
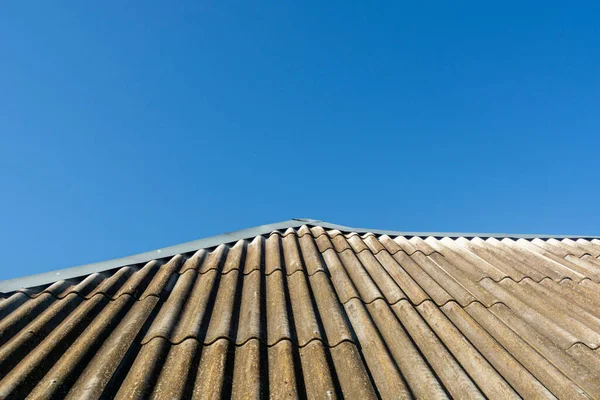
(315, 312)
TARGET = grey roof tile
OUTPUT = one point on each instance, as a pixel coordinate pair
(316, 311)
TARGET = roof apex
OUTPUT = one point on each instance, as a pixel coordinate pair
(43, 278)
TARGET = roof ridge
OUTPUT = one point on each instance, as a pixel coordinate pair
(43, 278)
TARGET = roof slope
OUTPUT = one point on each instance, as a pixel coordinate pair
(317, 313)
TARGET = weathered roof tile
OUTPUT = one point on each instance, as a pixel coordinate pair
(316, 313)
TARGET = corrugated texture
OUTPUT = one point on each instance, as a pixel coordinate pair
(315, 313)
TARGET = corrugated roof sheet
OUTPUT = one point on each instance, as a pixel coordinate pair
(317, 313)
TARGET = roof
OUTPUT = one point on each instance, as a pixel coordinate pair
(309, 309)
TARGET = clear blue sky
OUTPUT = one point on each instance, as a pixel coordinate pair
(125, 128)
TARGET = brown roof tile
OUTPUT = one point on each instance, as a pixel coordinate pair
(476, 365)
(589, 247)
(543, 370)
(420, 378)
(317, 312)
(515, 374)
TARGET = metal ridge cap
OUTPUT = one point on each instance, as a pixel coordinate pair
(344, 228)
(10, 285)
(28, 281)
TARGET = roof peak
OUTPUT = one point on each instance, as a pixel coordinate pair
(212, 241)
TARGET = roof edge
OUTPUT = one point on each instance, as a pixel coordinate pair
(10, 285)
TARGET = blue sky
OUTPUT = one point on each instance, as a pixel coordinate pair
(129, 127)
